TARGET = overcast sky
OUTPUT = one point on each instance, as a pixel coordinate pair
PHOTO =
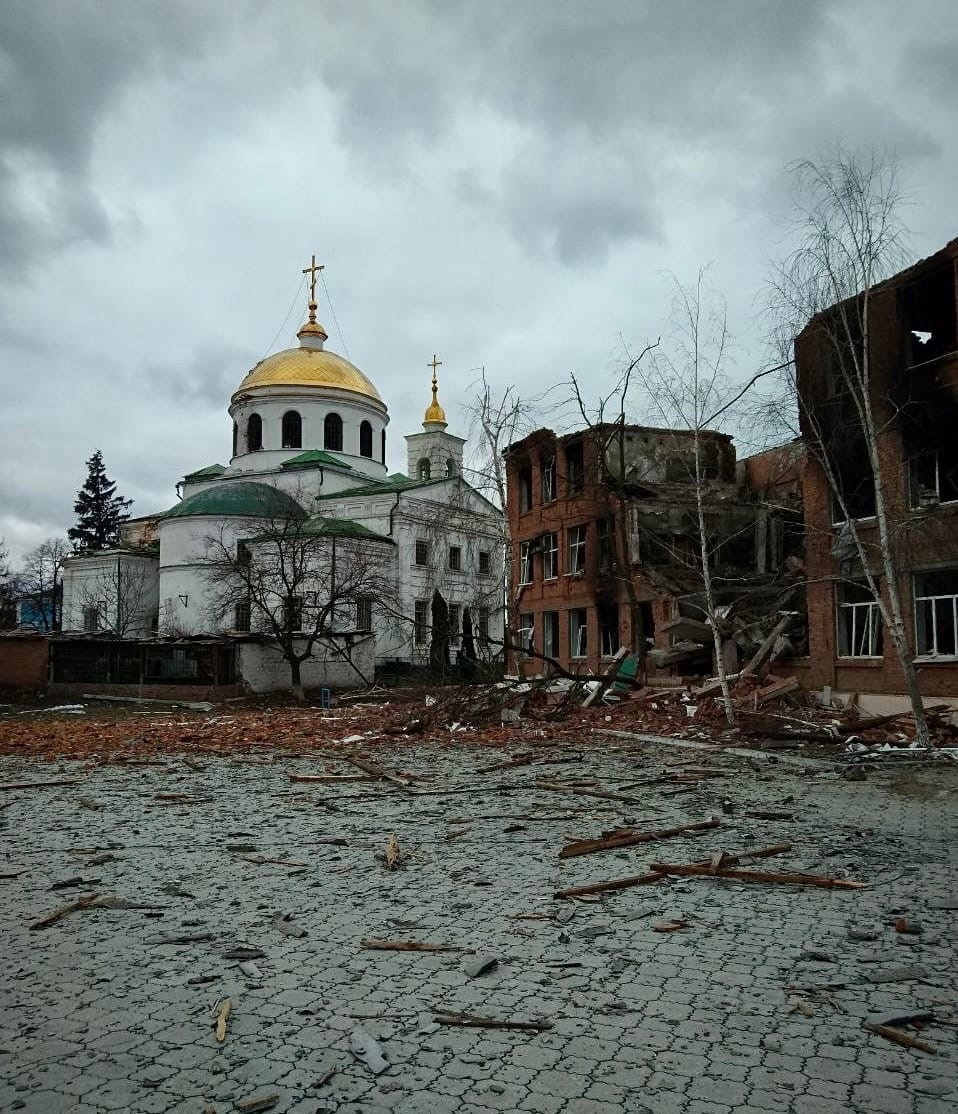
(503, 183)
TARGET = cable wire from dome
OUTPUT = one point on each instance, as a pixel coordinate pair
(289, 314)
(329, 302)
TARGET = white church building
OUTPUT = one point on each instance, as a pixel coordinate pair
(309, 442)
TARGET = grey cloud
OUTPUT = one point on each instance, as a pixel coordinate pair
(63, 64)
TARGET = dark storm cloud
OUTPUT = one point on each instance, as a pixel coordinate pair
(62, 64)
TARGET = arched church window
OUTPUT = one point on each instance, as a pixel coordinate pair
(292, 430)
(235, 437)
(450, 467)
(365, 439)
(423, 469)
(333, 433)
(384, 446)
(254, 433)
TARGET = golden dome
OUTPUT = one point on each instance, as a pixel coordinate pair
(308, 367)
(434, 412)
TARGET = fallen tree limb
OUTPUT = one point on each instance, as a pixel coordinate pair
(606, 795)
(376, 770)
(473, 1022)
(691, 869)
(70, 907)
(897, 1036)
(629, 837)
(412, 946)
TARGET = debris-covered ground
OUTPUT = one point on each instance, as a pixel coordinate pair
(280, 909)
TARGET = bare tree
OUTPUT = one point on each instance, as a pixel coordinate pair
(119, 594)
(850, 237)
(7, 614)
(39, 581)
(302, 581)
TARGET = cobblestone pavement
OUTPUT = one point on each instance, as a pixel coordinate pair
(99, 1015)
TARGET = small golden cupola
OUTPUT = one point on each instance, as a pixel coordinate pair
(435, 416)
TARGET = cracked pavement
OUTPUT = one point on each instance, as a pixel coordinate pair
(100, 1015)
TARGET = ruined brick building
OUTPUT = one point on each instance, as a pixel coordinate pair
(913, 350)
(605, 548)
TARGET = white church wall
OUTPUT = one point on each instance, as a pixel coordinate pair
(112, 590)
(272, 405)
(184, 586)
(264, 669)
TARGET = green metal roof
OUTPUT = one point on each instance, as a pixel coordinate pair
(248, 500)
(396, 482)
(205, 473)
(317, 456)
(341, 528)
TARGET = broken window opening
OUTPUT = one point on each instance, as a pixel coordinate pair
(550, 634)
(455, 558)
(254, 433)
(577, 540)
(574, 468)
(550, 556)
(608, 628)
(365, 439)
(292, 430)
(524, 477)
(934, 477)
(859, 622)
(578, 633)
(525, 563)
(525, 635)
(928, 311)
(936, 613)
(606, 544)
(549, 480)
(333, 433)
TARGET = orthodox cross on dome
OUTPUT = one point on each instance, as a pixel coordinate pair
(434, 412)
(435, 363)
(312, 270)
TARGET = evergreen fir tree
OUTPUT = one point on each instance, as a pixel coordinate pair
(99, 509)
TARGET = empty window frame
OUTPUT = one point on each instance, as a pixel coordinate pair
(292, 430)
(550, 634)
(550, 556)
(936, 613)
(333, 433)
(609, 629)
(423, 469)
(365, 439)
(578, 633)
(577, 540)
(525, 635)
(549, 479)
(524, 478)
(364, 614)
(859, 622)
(455, 558)
(254, 433)
(928, 306)
(606, 544)
(421, 623)
(934, 477)
(525, 562)
(485, 562)
(421, 556)
(574, 468)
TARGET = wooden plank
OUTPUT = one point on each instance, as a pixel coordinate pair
(71, 907)
(412, 946)
(629, 837)
(764, 651)
(37, 784)
(604, 887)
(471, 1021)
(604, 794)
(370, 767)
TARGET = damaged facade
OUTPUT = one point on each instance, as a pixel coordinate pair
(606, 551)
(913, 353)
